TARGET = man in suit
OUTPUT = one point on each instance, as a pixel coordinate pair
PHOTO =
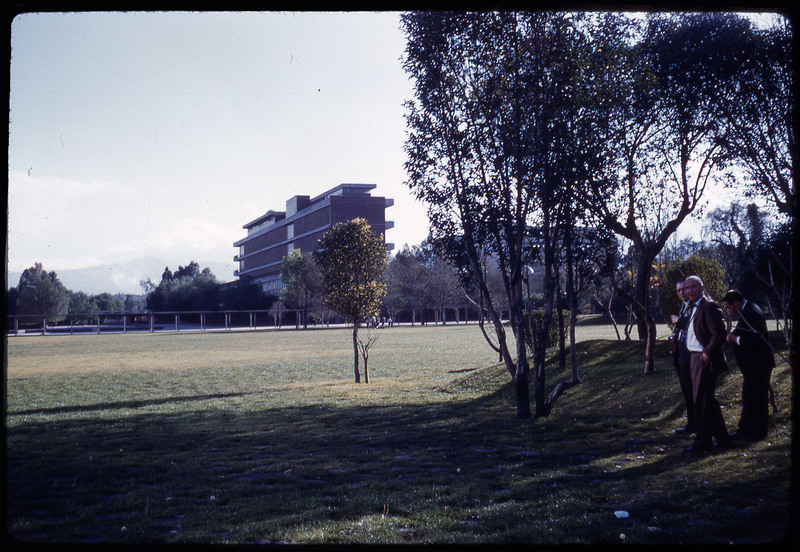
(756, 361)
(681, 357)
(705, 337)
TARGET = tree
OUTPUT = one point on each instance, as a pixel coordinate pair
(243, 294)
(108, 303)
(467, 155)
(41, 292)
(186, 289)
(665, 125)
(711, 272)
(303, 282)
(759, 115)
(772, 270)
(81, 303)
(352, 259)
(487, 152)
(440, 283)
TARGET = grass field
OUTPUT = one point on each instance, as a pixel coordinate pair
(261, 437)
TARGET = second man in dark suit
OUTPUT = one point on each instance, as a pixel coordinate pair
(756, 361)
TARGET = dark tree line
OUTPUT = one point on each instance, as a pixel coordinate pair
(191, 289)
(40, 292)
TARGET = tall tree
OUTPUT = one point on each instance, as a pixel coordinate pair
(41, 292)
(665, 125)
(303, 282)
(405, 281)
(482, 153)
(188, 288)
(352, 259)
(441, 283)
(759, 113)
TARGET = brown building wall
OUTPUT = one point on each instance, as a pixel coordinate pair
(373, 209)
(312, 221)
(263, 241)
(261, 255)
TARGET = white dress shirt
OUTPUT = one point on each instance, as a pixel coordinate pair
(692, 343)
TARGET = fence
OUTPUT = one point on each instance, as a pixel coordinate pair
(177, 321)
(124, 322)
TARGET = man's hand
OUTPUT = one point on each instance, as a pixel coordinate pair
(706, 358)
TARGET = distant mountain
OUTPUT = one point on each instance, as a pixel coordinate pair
(124, 277)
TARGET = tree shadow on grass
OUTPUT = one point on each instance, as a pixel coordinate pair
(453, 471)
(122, 404)
(242, 468)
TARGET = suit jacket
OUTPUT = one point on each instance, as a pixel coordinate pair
(751, 329)
(680, 354)
(709, 327)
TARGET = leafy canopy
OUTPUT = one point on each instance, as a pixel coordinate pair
(352, 259)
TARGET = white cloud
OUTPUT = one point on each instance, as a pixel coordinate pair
(195, 234)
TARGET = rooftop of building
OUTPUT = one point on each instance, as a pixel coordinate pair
(298, 203)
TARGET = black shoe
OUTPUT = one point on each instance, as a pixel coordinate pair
(683, 431)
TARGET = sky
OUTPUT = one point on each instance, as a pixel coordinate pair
(158, 135)
(136, 135)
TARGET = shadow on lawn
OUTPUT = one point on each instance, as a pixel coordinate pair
(122, 404)
(454, 470)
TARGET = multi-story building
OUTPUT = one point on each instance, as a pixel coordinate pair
(275, 234)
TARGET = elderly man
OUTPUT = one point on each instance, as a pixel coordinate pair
(756, 361)
(705, 336)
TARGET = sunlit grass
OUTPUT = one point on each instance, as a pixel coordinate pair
(261, 437)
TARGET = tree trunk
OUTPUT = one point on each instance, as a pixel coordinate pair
(355, 351)
(650, 347)
(645, 317)
(562, 338)
(647, 326)
(522, 369)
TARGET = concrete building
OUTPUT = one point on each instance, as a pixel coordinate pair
(275, 234)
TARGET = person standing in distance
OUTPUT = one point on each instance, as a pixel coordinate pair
(681, 357)
(756, 361)
(705, 336)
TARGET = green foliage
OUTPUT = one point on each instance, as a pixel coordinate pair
(352, 259)
(419, 279)
(303, 282)
(82, 303)
(710, 271)
(552, 329)
(41, 292)
(244, 294)
(186, 290)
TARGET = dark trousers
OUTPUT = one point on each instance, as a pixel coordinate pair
(755, 401)
(685, 380)
(710, 423)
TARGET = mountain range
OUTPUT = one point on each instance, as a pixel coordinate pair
(125, 277)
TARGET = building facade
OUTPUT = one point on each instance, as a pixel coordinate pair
(275, 234)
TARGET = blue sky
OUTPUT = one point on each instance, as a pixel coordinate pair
(160, 134)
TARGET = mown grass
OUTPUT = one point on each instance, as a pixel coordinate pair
(260, 437)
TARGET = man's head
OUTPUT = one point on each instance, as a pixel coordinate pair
(693, 288)
(680, 288)
(733, 301)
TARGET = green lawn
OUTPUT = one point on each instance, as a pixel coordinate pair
(261, 437)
